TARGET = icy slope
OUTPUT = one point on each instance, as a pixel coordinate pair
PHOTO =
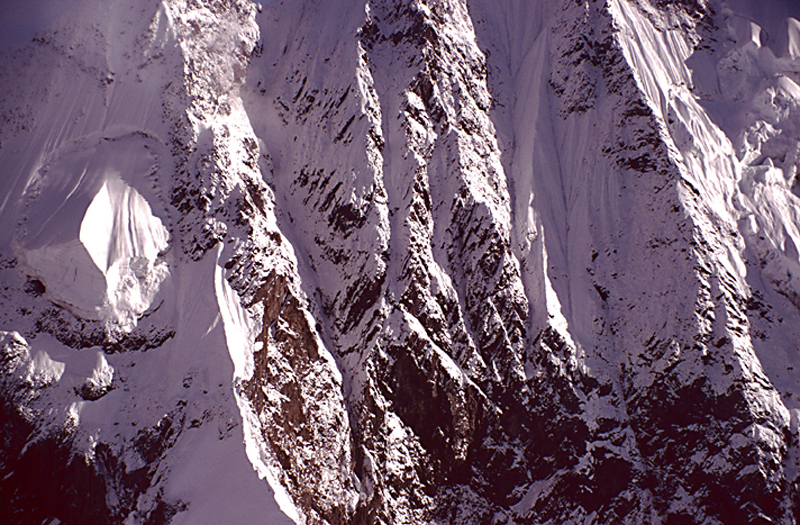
(120, 353)
(402, 261)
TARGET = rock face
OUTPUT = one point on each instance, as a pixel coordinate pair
(401, 261)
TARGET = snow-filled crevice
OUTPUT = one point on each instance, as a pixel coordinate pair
(537, 159)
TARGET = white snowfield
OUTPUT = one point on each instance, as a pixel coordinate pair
(97, 115)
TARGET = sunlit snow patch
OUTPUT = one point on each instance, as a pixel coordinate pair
(93, 239)
(124, 238)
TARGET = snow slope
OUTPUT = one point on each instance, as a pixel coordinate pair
(88, 149)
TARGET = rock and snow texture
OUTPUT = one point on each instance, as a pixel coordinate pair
(123, 344)
(402, 261)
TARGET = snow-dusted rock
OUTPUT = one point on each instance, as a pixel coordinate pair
(402, 261)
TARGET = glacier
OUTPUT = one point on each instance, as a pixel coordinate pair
(402, 261)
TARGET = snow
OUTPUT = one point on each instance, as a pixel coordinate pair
(239, 332)
(20, 20)
(535, 491)
(85, 196)
(43, 371)
(732, 122)
(254, 448)
(208, 467)
(218, 478)
(118, 232)
(793, 46)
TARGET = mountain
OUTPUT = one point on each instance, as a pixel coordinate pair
(402, 261)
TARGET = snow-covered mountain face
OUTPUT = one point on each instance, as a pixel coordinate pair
(443, 261)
